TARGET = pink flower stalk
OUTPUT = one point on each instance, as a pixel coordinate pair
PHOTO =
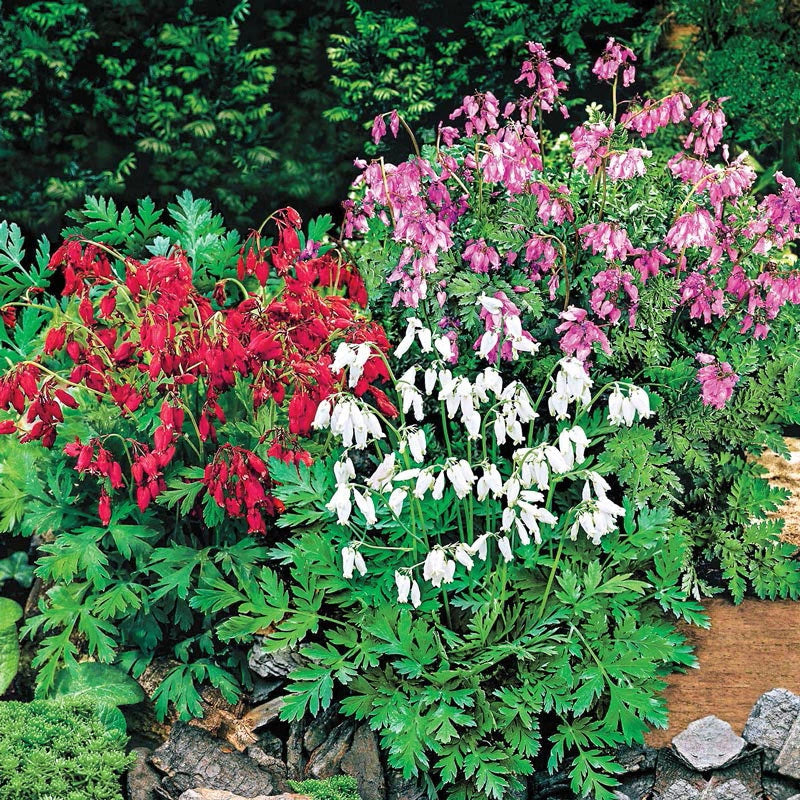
(480, 112)
(781, 212)
(538, 73)
(693, 229)
(481, 257)
(378, 129)
(610, 283)
(541, 255)
(717, 380)
(552, 206)
(421, 227)
(649, 263)
(613, 57)
(655, 114)
(707, 123)
(623, 166)
(706, 300)
(590, 145)
(513, 157)
(609, 239)
(580, 333)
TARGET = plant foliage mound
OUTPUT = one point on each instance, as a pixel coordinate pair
(59, 748)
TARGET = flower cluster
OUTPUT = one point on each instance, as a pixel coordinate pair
(145, 339)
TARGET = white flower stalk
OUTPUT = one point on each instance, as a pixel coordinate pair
(366, 506)
(463, 555)
(344, 471)
(415, 330)
(458, 394)
(596, 516)
(409, 394)
(354, 423)
(623, 410)
(381, 479)
(416, 443)
(504, 545)
(461, 477)
(438, 568)
(407, 589)
(488, 381)
(352, 560)
(438, 486)
(490, 481)
(491, 304)
(348, 355)
(519, 343)
(396, 500)
(431, 376)
(479, 546)
(340, 504)
(571, 385)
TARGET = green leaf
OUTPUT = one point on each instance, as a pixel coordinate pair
(102, 683)
(16, 568)
(10, 614)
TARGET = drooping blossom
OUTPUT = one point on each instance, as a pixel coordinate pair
(649, 263)
(580, 333)
(692, 229)
(513, 157)
(655, 114)
(572, 384)
(553, 206)
(590, 144)
(627, 164)
(539, 74)
(622, 409)
(702, 295)
(481, 256)
(613, 57)
(717, 380)
(480, 113)
(707, 124)
(503, 337)
(609, 283)
(607, 238)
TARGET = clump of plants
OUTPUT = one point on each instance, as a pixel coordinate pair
(586, 351)
(146, 406)
(59, 748)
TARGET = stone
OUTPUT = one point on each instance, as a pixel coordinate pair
(707, 744)
(319, 728)
(778, 788)
(271, 744)
(325, 760)
(740, 781)
(729, 790)
(191, 757)
(637, 759)
(276, 768)
(680, 790)
(638, 785)
(769, 723)
(142, 780)
(672, 777)
(295, 758)
(263, 688)
(273, 665)
(787, 761)
(219, 794)
(400, 788)
(363, 762)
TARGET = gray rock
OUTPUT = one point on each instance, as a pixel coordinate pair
(729, 790)
(263, 689)
(788, 760)
(191, 757)
(680, 790)
(325, 760)
(673, 776)
(363, 762)
(275, 768)
(638, 785)
(295, 758)
(319, 728)
(271, 744)
(770, 721)
(273, 665)
(777, 788)
(400, 788)
(707, 744)
(795, 797)
(637, 759)
(142, 780)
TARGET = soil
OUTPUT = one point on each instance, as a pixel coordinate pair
(750, 648)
